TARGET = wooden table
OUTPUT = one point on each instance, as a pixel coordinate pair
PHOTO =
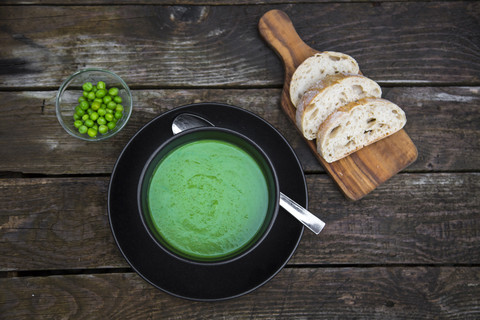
(409, 249)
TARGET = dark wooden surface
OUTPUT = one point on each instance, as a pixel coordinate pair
(408, 250)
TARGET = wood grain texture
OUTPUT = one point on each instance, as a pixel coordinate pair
(62, 223)
(408, 250)
(56, 224)
(371, 293)
(415, 218)
(443, 122)
(167, 2)
(205, 46)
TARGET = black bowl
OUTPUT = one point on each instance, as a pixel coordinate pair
(219, 134)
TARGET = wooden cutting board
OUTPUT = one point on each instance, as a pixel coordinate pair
(362, 171)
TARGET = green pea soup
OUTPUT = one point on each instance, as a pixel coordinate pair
(209, 199)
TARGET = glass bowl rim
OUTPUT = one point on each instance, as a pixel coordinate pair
(65, 84)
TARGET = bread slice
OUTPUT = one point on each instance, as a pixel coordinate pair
(357, 125)
(330, 94)
(315, 68)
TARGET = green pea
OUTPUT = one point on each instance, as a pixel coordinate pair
(78, 123)
(84, 105)
(100, 93)
(111, 105)
(101, 120)
(89, 123)
(109, 117)
(87, 86)
(113, 91)
(107, 99)
(94, 116)
(99, 109)
(103, 129)
(101, 85)
(95, 105)
(111, 125)
(92, 132)
(79, 111)
(83, 129)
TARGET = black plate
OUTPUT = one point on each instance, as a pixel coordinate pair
(195, 281)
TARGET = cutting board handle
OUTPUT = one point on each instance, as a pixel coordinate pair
(278, 31)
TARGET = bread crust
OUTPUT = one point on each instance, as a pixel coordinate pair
(316, 68)
(339, 107)
(326, 96)
(344, 114)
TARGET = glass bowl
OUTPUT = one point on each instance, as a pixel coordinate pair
(68, 95)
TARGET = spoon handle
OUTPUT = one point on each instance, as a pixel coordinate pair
(304, 216)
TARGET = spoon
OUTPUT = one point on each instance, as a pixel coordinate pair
(187, 121)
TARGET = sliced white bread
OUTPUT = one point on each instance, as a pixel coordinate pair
(330, 94)
(357, 125)
(315, 68)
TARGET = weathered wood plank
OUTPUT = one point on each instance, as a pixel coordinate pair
(56, 224)
(172, 46)
(171, 2)
(414, 219)
(325, 293)
(443, 123)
